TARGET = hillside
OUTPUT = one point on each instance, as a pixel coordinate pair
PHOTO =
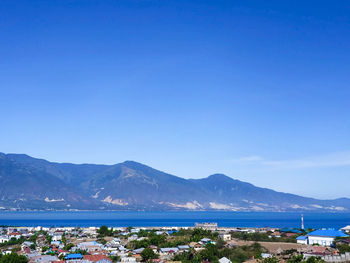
(30, 183)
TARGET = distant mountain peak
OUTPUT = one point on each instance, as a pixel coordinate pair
(135, 186)
(219, 176)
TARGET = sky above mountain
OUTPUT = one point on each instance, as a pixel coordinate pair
(258, 91)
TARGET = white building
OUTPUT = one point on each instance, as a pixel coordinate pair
(302, 240)
(225, 237)
(224, 260)
(346, 229)
(4, 239)
(324, 237)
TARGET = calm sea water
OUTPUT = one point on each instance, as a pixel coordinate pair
(128, 218)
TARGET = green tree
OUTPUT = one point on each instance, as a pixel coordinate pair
(220, 243)
(103, 231)
(68, 246)
(314, 260)
(13, 258)
(148, 254)
(270, 260)
(296, 259)
(115, 258)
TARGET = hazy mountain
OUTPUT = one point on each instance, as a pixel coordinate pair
(30, 183)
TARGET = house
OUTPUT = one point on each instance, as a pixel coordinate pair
(266, 255)
(196, 246)
(224, 260)
(16, 235)
(73, 256)
(276, 234)
(302, 240)
(205, 241)
(97, 258)
(324, 237)
(346, 229)
(290, 234)
(43, 259)
(90, 247)
(138, 251)
(183, 247)
(4, 239)
(128, 260)
(154, 248)
(225, 237)
(206, 226)
(169, 250)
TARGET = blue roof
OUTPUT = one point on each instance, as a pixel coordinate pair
(290, 230)
(74, 256)
(327, 233)
(301, 238)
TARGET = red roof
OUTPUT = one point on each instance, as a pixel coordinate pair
(95, 258)
(317, 249)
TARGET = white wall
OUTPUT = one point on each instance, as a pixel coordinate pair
(322, 241)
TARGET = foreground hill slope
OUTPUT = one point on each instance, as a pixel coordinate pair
(30, 183)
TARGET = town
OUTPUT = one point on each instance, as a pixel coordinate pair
(205, 242)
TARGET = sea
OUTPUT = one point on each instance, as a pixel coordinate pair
(176, 218)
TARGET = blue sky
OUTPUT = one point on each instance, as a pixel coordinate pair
(258, 90)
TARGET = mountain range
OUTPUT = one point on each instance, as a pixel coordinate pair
(28, 183)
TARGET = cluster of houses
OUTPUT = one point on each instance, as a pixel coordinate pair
(50, 244)
(50, 248)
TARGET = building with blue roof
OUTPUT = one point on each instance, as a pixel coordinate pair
(73, 256)
(322, 237)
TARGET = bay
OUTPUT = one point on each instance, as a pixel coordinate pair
(172, 218)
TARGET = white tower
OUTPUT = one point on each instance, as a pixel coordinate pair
(302, 222)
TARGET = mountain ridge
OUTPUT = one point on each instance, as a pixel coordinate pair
(32, 183)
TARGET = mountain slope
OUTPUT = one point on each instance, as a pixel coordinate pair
(24, 186)
(30, 183)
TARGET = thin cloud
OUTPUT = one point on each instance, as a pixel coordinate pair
(328, 160)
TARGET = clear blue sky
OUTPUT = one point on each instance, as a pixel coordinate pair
(258, 90)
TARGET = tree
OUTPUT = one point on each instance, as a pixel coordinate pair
(314, 260)
(68, 246)
(270, 260)
(64, 239)
(148, 254)
(103, 231)
(32, 247)
(115, 258)
(13, 258)
(220, 243)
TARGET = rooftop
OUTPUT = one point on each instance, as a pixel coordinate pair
(327, 233)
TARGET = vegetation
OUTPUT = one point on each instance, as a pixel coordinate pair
(104, 231)
(269, 260)
(115, 258)
(148, 254)
(266, 237)
(13, 258)
(342, 247)
(12, 241)
(212, 253)
(68, 246)
(300, 258)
